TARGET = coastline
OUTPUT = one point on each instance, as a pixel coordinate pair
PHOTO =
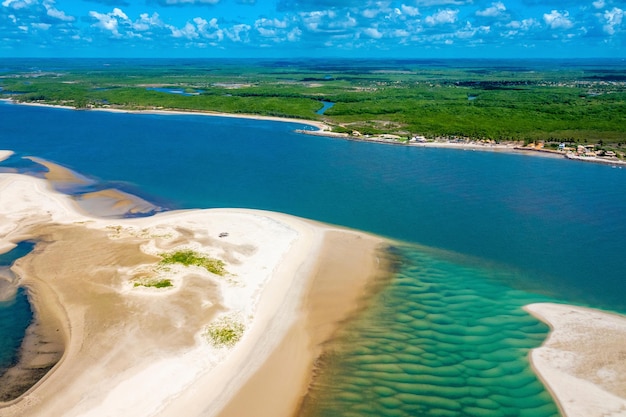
(321, 126)
(325, 130)
(142, 350)
(582, 361)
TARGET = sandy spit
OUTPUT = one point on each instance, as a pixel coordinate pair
(142, 351)
(583, 362)
(317, 124)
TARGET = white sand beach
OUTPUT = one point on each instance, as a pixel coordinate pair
(5, 155)
(143, 351)
(583, 362)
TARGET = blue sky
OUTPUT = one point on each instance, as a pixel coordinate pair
(317, 28)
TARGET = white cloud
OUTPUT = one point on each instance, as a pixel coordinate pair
(399, 33)
(188, 31)
(429, 3)
(209, 29)
(558, 20)
(599, 4)
(146, 22)
(442, 17)
(106, 21)
(327, 21)
(372, 33)
(19, 4)
(613, 19)
(371, 13)
(41, 26)
(495, 10)
(409, 10)
(294, 35)
(184, 2)
(523, 24)
(57, 14)
(276, 29)
(119, 13)
(520, 27)
(238, 33)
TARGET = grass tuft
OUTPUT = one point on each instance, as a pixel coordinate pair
(225, 332)
(189, 257)
(153, 283)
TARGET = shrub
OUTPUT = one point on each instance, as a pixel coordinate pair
(154, 283)
(188, 257)
(225, 332)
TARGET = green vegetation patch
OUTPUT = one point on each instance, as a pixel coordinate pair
(225, 332)
(189, 257)
(153, 283)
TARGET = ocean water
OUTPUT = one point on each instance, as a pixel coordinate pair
(481, 235)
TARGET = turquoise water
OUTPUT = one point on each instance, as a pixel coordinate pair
(447, 337)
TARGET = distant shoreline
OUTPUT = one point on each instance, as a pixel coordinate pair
(325, 130)
(321, 126)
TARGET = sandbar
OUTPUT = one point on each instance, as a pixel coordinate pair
(5, 155)
(128, 349)
(583, 361)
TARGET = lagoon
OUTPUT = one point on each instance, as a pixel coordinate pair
(479, 232)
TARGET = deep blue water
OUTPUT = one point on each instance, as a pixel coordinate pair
(561, 223)
(495, 231)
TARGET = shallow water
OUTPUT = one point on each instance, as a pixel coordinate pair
(444, 339)
(15, 312)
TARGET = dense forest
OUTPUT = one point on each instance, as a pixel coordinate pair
(580, 103)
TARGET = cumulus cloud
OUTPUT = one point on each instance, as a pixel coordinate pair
(188, 31)
(409, 10)
(239, 33)
(442, 17)
(558, 20)
(599, 4)
(346, 24)
(184, 2)
(429, 3)
(109, 21)
(328, 21)
(495, 10)
(111, 2)
(41, 26)
(613, 19)
(276, 30)
(373, 33)
(147, 22)
(19, 4)
(316, 5)
(58, 14)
